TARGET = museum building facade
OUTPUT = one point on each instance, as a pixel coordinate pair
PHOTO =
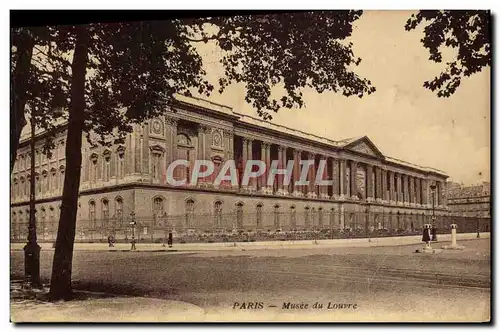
(127, 182)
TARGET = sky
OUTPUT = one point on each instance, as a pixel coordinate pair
(403, 119)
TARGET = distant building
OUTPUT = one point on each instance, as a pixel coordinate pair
(469, 201)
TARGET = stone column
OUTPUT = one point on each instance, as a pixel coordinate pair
(354, 185)
(137, 149)
(439, 189)
(336, 178)
(268, 163)
(407, 188)
(244, 158)
(113, 160)
(369, 183)
(418, 191)
(85, 168)
(423, 189)
(378, 184)
(310, 177)
(343, 179)
(279, 177)
(392, 193)
(384, 185)
(398, 188)
(263, 177)
(145, 149)
(171, 134)
(128, 163)
(283, 190)
(297, 190)
(200, 150)
(251, 182)
(412, 190)
(323, 189)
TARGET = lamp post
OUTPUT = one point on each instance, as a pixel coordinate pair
(32, 249)
(477, 226)
(132, 223)
(433, 230)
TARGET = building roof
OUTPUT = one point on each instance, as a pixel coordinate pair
(243, 118)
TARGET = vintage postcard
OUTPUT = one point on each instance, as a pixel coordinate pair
(323, 166)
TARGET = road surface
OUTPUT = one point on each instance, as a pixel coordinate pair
(384, 283)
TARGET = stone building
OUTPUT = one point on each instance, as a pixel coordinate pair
(129, 178)
(469, 201)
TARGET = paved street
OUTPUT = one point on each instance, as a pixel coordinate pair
(385, 283)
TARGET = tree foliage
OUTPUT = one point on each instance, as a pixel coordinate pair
(37, 85)
(466, 30)
(291, 50)
(120, 74)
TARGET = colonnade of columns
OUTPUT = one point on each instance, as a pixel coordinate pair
(380, 183)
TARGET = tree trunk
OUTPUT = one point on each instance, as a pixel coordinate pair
(18, 89)
(60, 285)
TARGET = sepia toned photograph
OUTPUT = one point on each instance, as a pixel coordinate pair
(255, 166)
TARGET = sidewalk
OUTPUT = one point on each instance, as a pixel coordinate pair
(302, 244)
(29, 306)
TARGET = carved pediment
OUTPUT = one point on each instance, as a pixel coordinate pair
(364, 146)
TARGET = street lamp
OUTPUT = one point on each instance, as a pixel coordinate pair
(433, 230)
(32, 249)
(477, 225)
(132, 223)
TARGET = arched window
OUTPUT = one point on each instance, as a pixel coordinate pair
(107, 165)
(53, 179)
(189, 213)
(15, 189)
(121, 162)
(43, 221)
(158, 206)
(45, 181)
(313, 217)
(307, 220)
(92, 214)
(217, 214)
(13, 225)
(239, 215)
(61, 177)
(38, 183)
(22, 187)
(332, 217)
(119, 210)
(184, 149)
(293, 217)
(105, 212)
(61, 153)
(93, 167)
(320, 217)
(52, 221)
(259, 216)
(276, 214)
(156, 161)
(27, 190)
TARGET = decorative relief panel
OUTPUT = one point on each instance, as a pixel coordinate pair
(183, 140)
(156, 127)
(217, 139)
(362, 147)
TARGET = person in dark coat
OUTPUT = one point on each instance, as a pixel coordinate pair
(170, 240)
(110, 241)
(426, 237)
